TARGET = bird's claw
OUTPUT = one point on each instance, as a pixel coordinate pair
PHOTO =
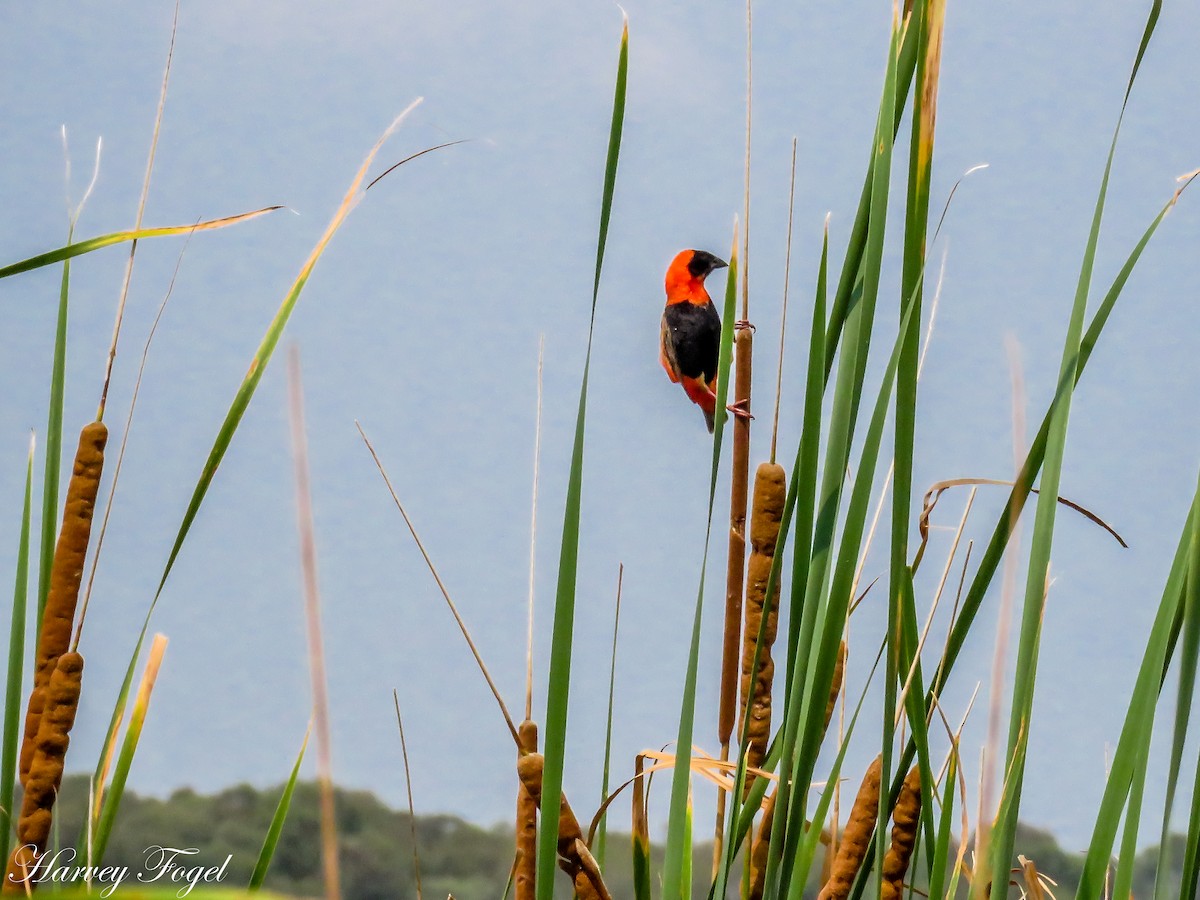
(740, 409)
(742, 324)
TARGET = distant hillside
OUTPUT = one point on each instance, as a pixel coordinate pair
(376, 857)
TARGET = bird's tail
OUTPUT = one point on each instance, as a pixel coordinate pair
(704, 396)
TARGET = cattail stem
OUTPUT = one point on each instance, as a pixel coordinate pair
(735, 572)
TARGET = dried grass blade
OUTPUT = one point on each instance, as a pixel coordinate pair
(312, 619)
(119, 237)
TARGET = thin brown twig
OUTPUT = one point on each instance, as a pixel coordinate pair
(312, 610)
(394, 166)
(938, 488)
(412, 813)
(537, 455)
(749, 96)
(462, 626)
(787, 277)
(158, 117)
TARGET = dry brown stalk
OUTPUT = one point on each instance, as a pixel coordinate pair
(905, 818)
(66, 573)
(573, 855)
(45, 771)
(641, 823)
(735, 572)
(1035, 882)
(739, 491)
(770, 492)
(856, 837)
(525, 874)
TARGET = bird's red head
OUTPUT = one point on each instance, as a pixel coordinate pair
(686, 274)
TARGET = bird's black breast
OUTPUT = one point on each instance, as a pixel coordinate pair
(695, 336)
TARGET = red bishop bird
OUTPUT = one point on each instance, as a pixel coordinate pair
(691, 330)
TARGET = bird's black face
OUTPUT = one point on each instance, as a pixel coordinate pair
(703, 263)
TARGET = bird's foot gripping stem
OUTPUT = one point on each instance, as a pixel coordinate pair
(743, 324)
(741, 409)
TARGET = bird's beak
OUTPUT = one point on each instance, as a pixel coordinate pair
(719, 263)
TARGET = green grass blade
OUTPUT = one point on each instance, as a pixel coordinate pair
(277, 820)
(598, 850)
(562, 634)
(834, 604)
(641, 871)
(16, 664)
(1191, 857)
(1139, 719)
(133, 734)
(1047, 507)
(1123, 882)
(945, 832)
(688, 838)
(992, 555)
(837, 455)
(70, 251)
(54, 426)
(823, 619)
(675, 882)
(860, 230)
(613, 156)
(1189, 651)
(994, 551)
(927, 20)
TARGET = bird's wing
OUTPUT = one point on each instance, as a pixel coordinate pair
(666, 354)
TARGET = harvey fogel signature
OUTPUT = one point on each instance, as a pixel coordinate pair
(162, 865)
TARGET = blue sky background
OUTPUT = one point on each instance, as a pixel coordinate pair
(423, 320)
